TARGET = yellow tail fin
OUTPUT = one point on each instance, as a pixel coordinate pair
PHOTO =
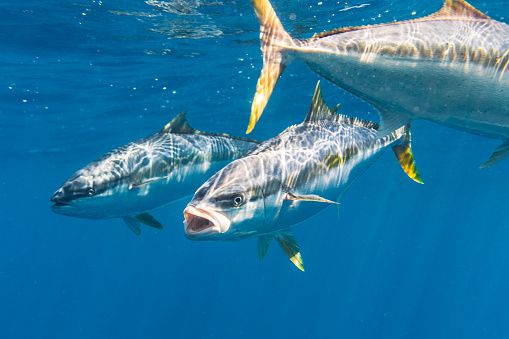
(274, 40)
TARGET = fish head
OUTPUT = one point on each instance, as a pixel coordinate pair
(229, 206)
(86, 194)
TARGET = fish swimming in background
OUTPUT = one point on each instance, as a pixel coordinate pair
(289, 178)
(147, 174)
(450, 68)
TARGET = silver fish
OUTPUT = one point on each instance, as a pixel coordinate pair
(449, 68)
(147, 174)
(289, 178)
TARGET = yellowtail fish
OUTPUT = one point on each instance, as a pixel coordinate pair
(289, 178)
(147, 174)
(449, 68)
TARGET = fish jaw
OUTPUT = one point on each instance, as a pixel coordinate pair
(63, 206)
(200, 224)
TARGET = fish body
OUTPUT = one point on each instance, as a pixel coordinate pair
(289, 178)
(147, 174)
(449, 68)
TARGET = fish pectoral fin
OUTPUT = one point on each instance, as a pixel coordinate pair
(263, 245)
(288, 243)
(308, 197)
(390, 120)
(149, 220)
(403, 152)
(145, 182)
(273, 38)
(133, 224)
(500, 153)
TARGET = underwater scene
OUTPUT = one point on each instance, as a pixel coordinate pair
(247, 169)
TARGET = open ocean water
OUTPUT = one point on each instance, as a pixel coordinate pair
(80, 78)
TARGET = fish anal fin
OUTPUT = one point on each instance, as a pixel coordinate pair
(274, 40)
(133, 224)
(263, 245)
(403, 152)
(457, 8)
(288, 244)
(500, 153)
(308, 197)
(149, 220)
(390, 120)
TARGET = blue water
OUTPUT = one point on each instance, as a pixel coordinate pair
(79, 78)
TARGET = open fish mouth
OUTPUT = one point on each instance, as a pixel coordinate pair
(201, 223)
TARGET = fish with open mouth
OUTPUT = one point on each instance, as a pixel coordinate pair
(289, 178)
(449, 68)
(147, 174)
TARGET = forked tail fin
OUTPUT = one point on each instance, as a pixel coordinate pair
(274, 41)
(403, 152)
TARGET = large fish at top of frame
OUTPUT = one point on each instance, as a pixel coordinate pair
(147, 174)
(289, 178)
(450, 68)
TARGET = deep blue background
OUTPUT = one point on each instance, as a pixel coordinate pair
(79, 78)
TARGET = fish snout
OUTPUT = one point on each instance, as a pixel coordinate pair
(62, 203)
(200, 223)
(58, 196)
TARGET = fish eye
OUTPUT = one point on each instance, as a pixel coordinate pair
(91, 192)
(234, 200)
(238, 200)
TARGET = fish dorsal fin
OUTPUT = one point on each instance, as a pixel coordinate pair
(319, 111)
(458, 9)
(179, 125)
(288, 244)
(451, 9)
